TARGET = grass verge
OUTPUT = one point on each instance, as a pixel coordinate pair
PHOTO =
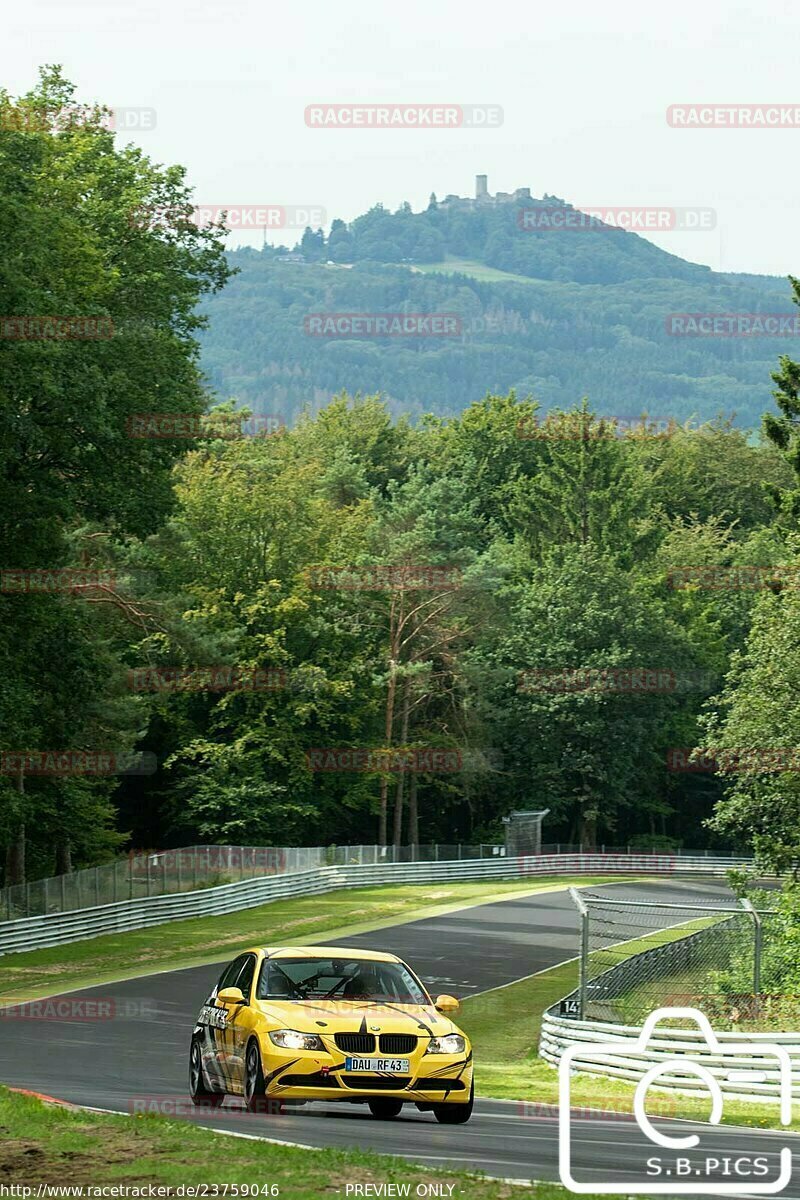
(199, 940)
(42, 1144)
(468, 266)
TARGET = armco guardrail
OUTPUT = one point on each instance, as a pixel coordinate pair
(54, 929)
(668, 1042)
(189, 868)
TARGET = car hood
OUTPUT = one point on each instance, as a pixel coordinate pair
(337, 1016)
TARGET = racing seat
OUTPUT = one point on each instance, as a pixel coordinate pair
(278, 986)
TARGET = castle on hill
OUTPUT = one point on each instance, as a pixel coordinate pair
(483, 197)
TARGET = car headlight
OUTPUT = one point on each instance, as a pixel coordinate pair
(451, 1043)
(291, 1039)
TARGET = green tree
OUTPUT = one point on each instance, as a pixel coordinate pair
(754, 730)
(590, 748)
(784, 430)
(587, 492)
(77, 210)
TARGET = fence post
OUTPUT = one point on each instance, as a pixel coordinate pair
(147, 860)
(747, 905)
(583, 965)
(97, 885)
(63, 893)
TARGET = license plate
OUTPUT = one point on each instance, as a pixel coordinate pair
(396, 1066)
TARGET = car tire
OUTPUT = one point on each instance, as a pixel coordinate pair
(199, 1090)
(255, 1085)
(385, 1108)
(455, 1114)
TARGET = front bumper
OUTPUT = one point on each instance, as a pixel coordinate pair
(316, 1075)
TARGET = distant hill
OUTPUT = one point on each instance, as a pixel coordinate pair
(557, 313)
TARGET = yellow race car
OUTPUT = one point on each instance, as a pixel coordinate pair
(327, 1023)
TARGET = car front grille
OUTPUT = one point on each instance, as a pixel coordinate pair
(397, 1043)
(356, 1043)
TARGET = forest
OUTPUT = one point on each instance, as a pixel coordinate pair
(556, 315)
(358, 625)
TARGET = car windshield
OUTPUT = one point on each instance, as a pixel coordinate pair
(339, 979)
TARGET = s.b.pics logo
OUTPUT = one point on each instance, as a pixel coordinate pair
(678, 1158)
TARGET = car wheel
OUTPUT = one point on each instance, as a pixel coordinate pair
(254, 1083)
(199, 1091)
(455, 1114)
(385, 1108)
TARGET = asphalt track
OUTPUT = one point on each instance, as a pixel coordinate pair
(137, 1059)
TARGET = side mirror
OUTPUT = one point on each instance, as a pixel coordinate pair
(230, 996)
(447, 1004)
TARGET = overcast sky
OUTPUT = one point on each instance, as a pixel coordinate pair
(584, 88)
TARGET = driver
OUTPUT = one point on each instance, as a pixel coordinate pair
(365, 985)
